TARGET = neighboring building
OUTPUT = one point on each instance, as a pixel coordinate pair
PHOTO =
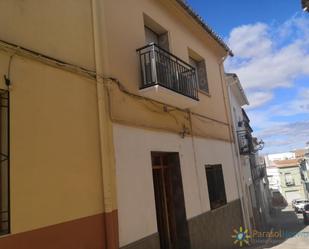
(238, 99)
(281, 156)
(251, 170)
(291, 184)
(273, 175)
(57, 174)
(305, 5)
(289, 174)
(116, 129)
(274, 180)
(304, 170)
(261, 187)
(299, 153)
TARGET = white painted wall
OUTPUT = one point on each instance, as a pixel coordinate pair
(281, 156)
(273, 177)
(136, 204)
(242, 163)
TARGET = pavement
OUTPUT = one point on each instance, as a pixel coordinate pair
(288, 232)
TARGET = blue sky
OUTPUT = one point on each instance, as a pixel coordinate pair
(270, 40)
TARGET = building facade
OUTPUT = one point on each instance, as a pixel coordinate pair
(238, 99)
(116, 128)
(285, 180)
(57, 171)
(262, 191)
(291, 183)
(193, 135)
(251, 170)
(304, 170)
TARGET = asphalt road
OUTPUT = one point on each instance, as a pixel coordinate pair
(291, 231)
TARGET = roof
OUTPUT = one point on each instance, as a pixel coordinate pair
(286, 163)
(204, 25)
(299, 153)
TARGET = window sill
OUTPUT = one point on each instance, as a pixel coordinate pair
(218, 208)
(205, 93)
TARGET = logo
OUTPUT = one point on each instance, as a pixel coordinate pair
(241, 237)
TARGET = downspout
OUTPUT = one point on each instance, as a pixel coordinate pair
(239, 188)
(108, 171)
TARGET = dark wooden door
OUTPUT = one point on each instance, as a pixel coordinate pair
(170, 204)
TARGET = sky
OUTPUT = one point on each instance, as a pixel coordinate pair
(270, 40)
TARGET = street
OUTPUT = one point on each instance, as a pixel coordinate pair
(293, 233)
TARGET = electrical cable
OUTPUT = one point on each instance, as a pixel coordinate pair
(24, 52)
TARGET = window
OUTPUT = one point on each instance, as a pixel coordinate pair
(215, 183)
(289, 181)
(151, 36)
(155, 33)
(4, 163)
(199, 64)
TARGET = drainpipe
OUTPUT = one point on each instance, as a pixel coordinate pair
(108, 171)
(238, 179)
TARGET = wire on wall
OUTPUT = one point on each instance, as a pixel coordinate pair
(163, 108)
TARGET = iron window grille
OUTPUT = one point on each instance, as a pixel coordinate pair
(245, 142)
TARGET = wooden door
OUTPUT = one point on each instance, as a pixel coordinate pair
(170, 205)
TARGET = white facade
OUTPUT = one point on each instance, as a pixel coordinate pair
(242, 163)
(273, 176)
(281, 156)
(137, 212)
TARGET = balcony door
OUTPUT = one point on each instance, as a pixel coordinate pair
(169, 198)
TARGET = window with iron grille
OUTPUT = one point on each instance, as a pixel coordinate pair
(289, 180)
(5, 163)
(215, 183)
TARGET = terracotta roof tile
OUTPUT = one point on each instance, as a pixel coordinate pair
(286, 163)
(204, 25)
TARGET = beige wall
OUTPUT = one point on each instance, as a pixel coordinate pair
(136, 204)
(55, 164)
(55, 167)
(55, 150)
(60, 29)
(125, 29)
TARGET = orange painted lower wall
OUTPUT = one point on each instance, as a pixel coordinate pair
(82, 233)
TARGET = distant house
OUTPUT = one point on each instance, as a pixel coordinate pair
(251, 171)
(285, 177)
(281, 156)
(273, 176)
(299, 153)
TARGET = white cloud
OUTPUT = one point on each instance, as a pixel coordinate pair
(258, 98)
(285, 137)
(249, 41)
(268, 57)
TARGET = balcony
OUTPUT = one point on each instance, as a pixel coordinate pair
(166, 78)
(245, 142)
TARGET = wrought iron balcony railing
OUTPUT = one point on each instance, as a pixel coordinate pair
(245, 142)
(160, 67)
